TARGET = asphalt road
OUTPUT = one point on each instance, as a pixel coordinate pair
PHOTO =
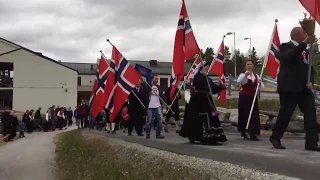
(293, 162)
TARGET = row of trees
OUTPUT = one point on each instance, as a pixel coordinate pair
(209, 54)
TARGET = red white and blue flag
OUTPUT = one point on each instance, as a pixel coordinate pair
(124, 78)
(97, 97)
(185, 47)
(193, 67)
(272, 61)
(217, 68)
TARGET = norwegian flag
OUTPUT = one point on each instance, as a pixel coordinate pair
(193, 67)
(313, 7)
(217, 65)
(126, 77)
(97, 98)
(217, 68)
(185, 47)
(272, 61)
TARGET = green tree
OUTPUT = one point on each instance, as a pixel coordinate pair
(253, 55)
(227, 53)
(315, 49)
(209, 54)
(240, 59)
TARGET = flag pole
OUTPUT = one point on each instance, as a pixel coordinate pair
(138, 99)
(159, 97)
(261, 74)
(183, 82)
(310, 64)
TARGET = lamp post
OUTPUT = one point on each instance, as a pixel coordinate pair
(250, 46)
(235, 55)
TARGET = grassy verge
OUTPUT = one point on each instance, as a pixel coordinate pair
(80, 158)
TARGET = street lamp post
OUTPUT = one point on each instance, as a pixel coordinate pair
(250, 46)
(235, 54)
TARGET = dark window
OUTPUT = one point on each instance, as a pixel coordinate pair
(79, 81)
(6, 75)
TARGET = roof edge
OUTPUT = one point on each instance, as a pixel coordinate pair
(37, 54)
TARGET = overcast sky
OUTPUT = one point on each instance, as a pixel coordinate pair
(75, 30)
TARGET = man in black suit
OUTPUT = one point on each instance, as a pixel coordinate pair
(294, 89)
(136, 110)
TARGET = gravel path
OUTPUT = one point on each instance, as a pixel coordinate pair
(219, 170)
(30, 158)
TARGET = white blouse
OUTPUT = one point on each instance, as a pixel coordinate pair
(47, 116)
(243, 79)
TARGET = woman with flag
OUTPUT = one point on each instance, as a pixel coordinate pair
(201, 121)
(249, 82)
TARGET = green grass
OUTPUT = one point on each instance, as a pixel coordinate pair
(81, 158)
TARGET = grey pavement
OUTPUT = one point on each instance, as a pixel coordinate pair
(293, 162)
(29, 158)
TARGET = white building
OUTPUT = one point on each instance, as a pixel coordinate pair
(87, 73)
(29, 80)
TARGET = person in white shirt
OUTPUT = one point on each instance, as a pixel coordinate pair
(154, 108)
(249, 82)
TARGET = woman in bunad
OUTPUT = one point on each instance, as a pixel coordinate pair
(249, 82)
(201, 121)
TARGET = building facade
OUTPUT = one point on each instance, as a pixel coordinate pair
(29, 80)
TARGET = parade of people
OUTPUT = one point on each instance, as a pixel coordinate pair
(203, 102)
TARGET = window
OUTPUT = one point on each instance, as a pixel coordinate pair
(79, 81)
(164, 83)
(6, 75)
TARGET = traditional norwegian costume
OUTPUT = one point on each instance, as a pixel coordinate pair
(201, 121)
(249, 84)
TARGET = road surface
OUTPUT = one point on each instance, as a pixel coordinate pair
(293, 162)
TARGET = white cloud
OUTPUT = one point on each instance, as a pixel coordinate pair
(75, 30)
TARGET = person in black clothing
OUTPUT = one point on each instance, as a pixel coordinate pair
(202, 119)
(294, 89)
(83, 114)
(13, 125)
(5, 118)
(99, 119)
(38, 119)
(27, 121)
(136, 110)
(174, 108)
(69, 115)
